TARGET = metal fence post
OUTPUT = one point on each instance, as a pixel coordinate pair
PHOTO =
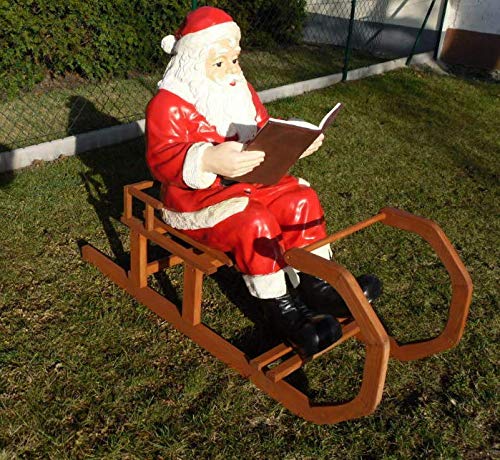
(440, 29)
(194, 4)
(412, 52)
(347, 54)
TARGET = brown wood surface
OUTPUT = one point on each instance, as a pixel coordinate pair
(191, 300)
(167, 262)
(270, 356)
(294, 363)
(346, 232)
(138, 258)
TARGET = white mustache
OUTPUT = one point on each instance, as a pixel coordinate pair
(226, 80)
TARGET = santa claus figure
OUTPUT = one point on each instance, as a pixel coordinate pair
(196, 126)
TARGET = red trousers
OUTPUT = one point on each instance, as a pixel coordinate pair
(277, 218)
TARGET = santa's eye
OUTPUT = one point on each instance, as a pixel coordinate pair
(218, 64)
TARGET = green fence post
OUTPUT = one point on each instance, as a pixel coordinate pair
(194, 4)
(412, 52)
(440, 29)
(347, 54)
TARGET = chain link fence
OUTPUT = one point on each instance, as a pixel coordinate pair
(68, 103)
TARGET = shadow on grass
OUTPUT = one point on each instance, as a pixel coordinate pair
(5, 177)
(109, 170)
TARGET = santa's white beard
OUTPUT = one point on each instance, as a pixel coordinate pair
(229, 108)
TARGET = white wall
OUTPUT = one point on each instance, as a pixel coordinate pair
(476, 15)
(408, 13)
(411, 13)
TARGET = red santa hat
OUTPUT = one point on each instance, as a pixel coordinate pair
(202, 26)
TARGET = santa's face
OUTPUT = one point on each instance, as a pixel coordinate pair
(222, 63)
(207, 74)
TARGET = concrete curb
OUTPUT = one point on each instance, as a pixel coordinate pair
(48, 151)
(296, 89)
(72, 145)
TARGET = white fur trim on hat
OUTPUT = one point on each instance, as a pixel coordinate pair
(192, 173)
(206, 217)
(208, 36)
(168, 43)
(266, 286)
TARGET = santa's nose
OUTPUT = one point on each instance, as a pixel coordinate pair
(234, 68)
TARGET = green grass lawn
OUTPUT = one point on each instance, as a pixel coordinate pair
(86, 371)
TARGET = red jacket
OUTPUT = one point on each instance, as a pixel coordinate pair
(172, 127)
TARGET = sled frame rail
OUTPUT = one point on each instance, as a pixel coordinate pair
(269, 370)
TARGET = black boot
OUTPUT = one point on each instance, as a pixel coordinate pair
(306, 332)
(322, 298)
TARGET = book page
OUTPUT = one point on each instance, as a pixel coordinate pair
(329, 114)
(301, 123)
(306, 124)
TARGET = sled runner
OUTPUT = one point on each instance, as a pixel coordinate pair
(200, 260)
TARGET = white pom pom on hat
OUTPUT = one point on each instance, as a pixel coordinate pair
(168, 43)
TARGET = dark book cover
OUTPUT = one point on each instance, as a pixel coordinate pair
(283, 142)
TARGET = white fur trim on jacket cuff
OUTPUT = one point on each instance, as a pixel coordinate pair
(266, 286)
(192, 174)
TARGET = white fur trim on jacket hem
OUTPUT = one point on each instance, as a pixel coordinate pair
(192, 174)
(266, 286)
(207, 217)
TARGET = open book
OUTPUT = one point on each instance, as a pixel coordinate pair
(283, 142)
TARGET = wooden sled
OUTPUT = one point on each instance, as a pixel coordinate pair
(200, 260)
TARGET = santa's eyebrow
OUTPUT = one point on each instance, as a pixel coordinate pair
(220, 52)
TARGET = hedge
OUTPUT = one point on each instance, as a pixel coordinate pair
(98, 38)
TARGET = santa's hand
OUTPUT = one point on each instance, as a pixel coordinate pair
(314, 146)
(228, 160)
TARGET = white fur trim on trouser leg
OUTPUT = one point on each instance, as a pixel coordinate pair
(266, 286)
(293, 273)
(192, 174)
(323, 251)
(207, 217)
